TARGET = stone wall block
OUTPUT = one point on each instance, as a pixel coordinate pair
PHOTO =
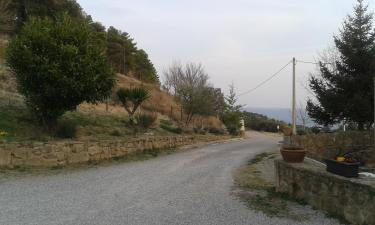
(353, 199)
(5, 157)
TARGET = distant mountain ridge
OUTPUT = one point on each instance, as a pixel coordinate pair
(283, 114)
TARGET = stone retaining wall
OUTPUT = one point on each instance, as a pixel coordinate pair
(352, 199)
(320, 146)
(52, 154)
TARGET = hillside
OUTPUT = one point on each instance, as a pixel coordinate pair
(101, 121)
(260, 122)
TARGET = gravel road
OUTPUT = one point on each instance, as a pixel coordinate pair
(190, 187)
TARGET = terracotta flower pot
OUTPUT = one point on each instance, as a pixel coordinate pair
(293, 154)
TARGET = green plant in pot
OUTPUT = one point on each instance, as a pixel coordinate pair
(344, 165)
(291, 152)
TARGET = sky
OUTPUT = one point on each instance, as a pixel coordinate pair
(239, 41)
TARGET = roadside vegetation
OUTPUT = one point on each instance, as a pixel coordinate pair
(343, 84)
(257, 189)
(65, 76)
(255, 186)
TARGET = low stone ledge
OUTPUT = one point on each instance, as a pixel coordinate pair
(349, 198)
(60, 153)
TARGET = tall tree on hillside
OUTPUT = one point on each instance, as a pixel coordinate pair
(189, 84)
(346, 93)
(143, 68)
(99, 32)
(120, 49)
(25, 9)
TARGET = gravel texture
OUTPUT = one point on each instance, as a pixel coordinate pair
(191, 187)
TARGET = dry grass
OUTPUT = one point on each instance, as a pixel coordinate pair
(95, 121)
(160, 102)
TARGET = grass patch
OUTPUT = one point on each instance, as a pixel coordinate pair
(260, 157)
(259, 194)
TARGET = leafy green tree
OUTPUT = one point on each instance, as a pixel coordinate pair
(99, 31)
(132, 98)
(346, 93)
(25, 9)
(120, 49)
(125, 57)
(189, 84)
(144, 70)
(232, 114)
(58, 66)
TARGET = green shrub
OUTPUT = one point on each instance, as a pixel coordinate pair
(176, 130)
(132, 98)
(145, 120)
(166, 122)
(233, 130)
(58, 65)
(66, 129)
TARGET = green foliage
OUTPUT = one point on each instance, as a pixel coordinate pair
(26, 9)
(125, 57)
(189, 84)
(146, 120)
(120, 50)
(132, 98)
(168, 126)
(232, 114)
(260, 122)
(58, 66)
(143, 68)
(66, 129)
(345, 93)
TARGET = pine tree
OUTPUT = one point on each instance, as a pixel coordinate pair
(347, 92)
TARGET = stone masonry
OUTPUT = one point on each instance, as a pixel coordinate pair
(50, 154)
(352, 199)
(321, 146)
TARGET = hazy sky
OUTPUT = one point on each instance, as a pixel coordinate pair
(239, 41)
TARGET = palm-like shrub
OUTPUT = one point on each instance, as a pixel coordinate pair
(132, 98)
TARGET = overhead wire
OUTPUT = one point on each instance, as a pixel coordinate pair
(265, 81)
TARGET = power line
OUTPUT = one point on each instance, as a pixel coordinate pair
(300, 61)
(315, 63)
(264, 82)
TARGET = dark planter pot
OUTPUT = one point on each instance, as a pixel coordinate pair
(342, 168)
(293, 155)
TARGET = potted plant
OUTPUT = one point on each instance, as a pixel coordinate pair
(292, 153)
(289, 151)
(344, 165)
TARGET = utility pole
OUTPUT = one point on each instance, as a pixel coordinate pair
(294, 120)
